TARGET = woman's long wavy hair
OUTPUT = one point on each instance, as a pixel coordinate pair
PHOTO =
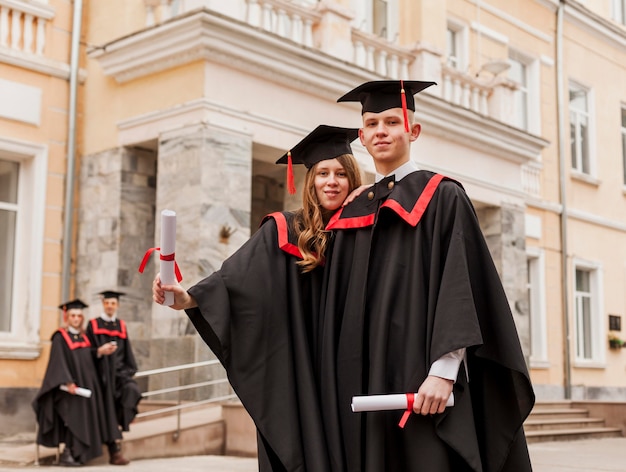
(311, 219)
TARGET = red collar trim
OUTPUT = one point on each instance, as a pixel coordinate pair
(283, 235)
(111, 332)
(74, 344)
(411, 217)
(350, 223)
(415, 215)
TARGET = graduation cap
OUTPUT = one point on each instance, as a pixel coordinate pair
(73, 304)
(111, 294)
(324, 142)
(381, 95)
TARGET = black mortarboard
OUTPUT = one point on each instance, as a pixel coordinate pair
(73, 304)
(111, 294)
(324, 142)
(381, 95)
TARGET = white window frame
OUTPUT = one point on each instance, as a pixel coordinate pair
(623, 136)
(537, 307)
(22, 341)
(597, 335)
(618, 11)
(577, 168)
(461, 34)
(364, 18)
(531, 89)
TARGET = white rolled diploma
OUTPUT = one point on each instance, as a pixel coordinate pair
(168, 246)
(394, 401)
(83, 392)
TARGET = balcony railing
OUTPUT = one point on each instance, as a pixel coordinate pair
(379, 55)
(464, 90)
(23, 26)
(285, 19)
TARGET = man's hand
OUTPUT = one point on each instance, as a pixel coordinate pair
(107, 349)
(355, 193)
(182, 299)
(71, 388)
(432, 395)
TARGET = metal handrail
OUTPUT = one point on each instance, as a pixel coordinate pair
(175, 368)
(179, 407)
(182, 387)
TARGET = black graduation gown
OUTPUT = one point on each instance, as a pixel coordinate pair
(258, 314)
(121, 392)
(432, 288)
(61, 416)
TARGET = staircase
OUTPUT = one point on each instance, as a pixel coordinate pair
(213, 429)
(565, 421)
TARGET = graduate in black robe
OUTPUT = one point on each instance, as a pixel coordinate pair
(65, 416)
(116, 366)
(410, 280)
(260, 312)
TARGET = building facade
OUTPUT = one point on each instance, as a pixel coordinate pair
(186, 104)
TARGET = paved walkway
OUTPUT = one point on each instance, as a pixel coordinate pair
(588, 455)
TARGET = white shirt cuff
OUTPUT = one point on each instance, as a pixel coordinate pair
(447, 366)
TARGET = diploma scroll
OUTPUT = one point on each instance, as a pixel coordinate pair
(168, 248)
(395, 401)
(83, 392)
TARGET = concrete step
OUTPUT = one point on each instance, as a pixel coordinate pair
(197, 432)
(562, 423)
(572, 434)
(559, 421)
(543, 413)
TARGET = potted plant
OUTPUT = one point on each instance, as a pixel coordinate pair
(615, 342)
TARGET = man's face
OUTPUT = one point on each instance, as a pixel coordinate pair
(384, 137)
(110, 306)
(75, 318)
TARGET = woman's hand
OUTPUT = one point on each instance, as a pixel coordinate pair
(355, 193)
(182, 299)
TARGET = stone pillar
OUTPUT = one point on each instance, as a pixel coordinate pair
(205, 176)
(115, 227)
(504, 232)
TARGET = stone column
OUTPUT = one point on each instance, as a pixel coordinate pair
(115, 227)
(204, 175)
(504, 232)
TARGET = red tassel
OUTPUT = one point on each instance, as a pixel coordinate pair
(64, 314)
(291, 186)
(404, 109)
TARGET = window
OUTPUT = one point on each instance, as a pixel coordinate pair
(452, 48)
(624, 143)
(536, 304)
(619, 11)
(587, 308)
(456, 46)
(518, 72)
(580, 124)
(23, 169)
(379, 17)
(9, 177)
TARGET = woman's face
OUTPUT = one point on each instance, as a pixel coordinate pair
(75, 318)
(331, 184)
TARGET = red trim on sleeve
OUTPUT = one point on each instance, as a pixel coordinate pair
(415, 215)
(74, 344)
(111, 332)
